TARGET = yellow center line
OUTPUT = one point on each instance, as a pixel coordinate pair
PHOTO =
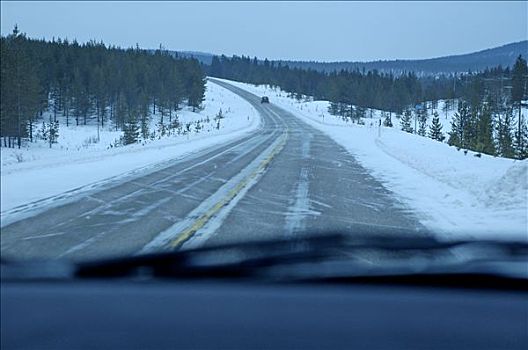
(204, 218)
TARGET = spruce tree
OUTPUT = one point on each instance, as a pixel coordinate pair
(175, 123)
(521, 140)
(197, 86)
(342, 109)
(387, 121)
(435, 130)
(422, 122)
(518, 93)
(359, 114)
(406, 121)
(144, 112)
(144, 127)
(485, 142)
(333, 108)
(460, 119)
(504, 135)
(53, 132)
(445, 108)
(162, 128)
(130, 133)
(471, 125)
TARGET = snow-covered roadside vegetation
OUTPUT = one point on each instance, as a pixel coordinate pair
(80, 158)
(456, 193)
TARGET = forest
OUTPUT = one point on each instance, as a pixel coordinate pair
(90, 82)
(107, 85)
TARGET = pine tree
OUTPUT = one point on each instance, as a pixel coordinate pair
(422, 122)
(197, 86)
(359, 114)
(521, 145)
(53, 132)
(445, 108)
(518, 92)
(458, 126)
(504, 136)
(343, 110)
(350, 114)
(435, 130)
(406, 121)
(144, 126)
(162, 128)
(387, 121)
(333, 108)
(130, 133)
(485, 142)
(175, 123)
(144, 112)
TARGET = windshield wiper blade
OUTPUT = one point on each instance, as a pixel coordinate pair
(235, 259)
(331, 257)
(328, 256)
(227, 260)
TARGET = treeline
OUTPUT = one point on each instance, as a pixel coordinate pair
(363, 89)
(488, 118)
(90, 82)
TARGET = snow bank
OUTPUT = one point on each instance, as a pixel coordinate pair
(456, 195)
(37, 172)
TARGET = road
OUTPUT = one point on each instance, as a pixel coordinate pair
(285, 180)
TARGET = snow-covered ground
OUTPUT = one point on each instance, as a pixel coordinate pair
(454, 194)
(76, 162)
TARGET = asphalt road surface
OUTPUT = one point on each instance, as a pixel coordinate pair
(286, 179)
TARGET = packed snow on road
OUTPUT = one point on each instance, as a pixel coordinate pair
(455, 193)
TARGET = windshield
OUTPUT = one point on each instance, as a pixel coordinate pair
(135, 127)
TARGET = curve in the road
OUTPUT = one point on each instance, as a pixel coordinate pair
(284, 179)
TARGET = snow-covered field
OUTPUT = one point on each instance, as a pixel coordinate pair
(454, 194)
(76, 162)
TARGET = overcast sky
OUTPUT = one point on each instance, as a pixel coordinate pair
(287, 30)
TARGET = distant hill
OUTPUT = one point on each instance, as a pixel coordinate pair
(477, 61)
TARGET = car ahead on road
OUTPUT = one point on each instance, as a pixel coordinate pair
(325, 292)
(264, 99)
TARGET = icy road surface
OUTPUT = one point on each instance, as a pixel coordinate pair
(284, 180)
